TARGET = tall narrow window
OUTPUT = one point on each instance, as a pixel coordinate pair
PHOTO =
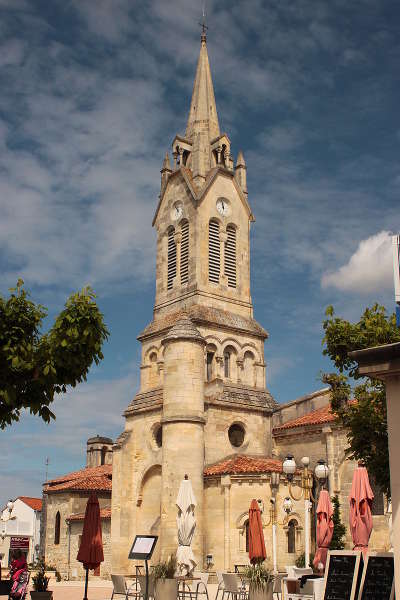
(171, 258)
(214, 252)
(103, 455)
(185, 252)
(210, 357)
(230, 256)
(292, 537)
(227, 363)
(57, 527)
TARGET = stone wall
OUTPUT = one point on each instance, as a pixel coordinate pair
(227, 502)
(76, 570)
(66, 504)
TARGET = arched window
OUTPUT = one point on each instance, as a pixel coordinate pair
(214, 252)
(185, 252)
(246, 528)
(210, 358)
(227, 363)
(103, 455)
(378, 505)
(248, 367)
(292, 537)
(57, 527)
(171, 258)
(230, 256)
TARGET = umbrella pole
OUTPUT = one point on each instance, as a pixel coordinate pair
(86, 584)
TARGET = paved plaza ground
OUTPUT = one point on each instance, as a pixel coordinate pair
(98, 590)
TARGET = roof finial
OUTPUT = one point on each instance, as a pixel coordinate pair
(203, 24)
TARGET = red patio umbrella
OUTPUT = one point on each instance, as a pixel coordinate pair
(324, 528)
(257, 551)
(90, 552)
(361, 497)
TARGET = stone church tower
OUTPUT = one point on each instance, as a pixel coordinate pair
(203, 390)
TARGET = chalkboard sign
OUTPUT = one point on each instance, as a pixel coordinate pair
(378, 577)
(342, 575)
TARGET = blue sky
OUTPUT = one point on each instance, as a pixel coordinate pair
(92, 94)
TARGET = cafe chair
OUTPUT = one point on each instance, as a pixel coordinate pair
(193, 590)
(220, 582)
(232, 589)
(120, 588)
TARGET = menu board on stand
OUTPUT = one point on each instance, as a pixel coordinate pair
(343, 574)
(377, 581)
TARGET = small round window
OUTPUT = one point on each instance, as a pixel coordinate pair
(236, 434)
(158, 436)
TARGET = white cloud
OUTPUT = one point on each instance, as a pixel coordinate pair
(369, 269)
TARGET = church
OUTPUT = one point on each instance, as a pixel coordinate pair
(203, 408)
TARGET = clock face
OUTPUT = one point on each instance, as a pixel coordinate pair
(177, 211)
(223, 206)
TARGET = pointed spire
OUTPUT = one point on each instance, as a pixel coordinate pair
(240, 160)
(203, 115)
(166, 164)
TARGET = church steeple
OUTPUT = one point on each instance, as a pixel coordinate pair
(203, 116)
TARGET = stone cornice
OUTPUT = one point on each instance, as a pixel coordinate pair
(184, 418)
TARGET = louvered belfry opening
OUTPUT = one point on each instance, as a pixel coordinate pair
(230, 256)
(171, 258)
(214, 252)
(185, 252)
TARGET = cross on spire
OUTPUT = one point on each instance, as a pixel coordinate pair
(203, 25)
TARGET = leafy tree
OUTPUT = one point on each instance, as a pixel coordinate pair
(34, 366)
(365, 418)
(339, 530)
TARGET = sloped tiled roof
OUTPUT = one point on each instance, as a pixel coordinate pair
(317, 417)
(206, 314)
(238, 464)
(34, 503)
(105, 513)
(97, 479)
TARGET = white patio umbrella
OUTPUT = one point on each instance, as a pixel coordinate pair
(186, 503)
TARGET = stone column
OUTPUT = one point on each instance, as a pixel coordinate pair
(226, 485)
(183, 431)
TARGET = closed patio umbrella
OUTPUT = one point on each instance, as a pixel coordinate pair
(90, 552)
(324, 528)
(361, 497)
(186, 522)
(257, 552)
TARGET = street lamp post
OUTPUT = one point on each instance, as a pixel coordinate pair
(321, 473)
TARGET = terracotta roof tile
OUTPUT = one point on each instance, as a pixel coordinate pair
(317, 417)
(34, 503)
(94, 478)
(86, 472)
(244, 464)
(105, 513)
(97, 484)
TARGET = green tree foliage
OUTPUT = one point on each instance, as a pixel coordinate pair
(339, 530)
(36, 366)
(365, 418)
